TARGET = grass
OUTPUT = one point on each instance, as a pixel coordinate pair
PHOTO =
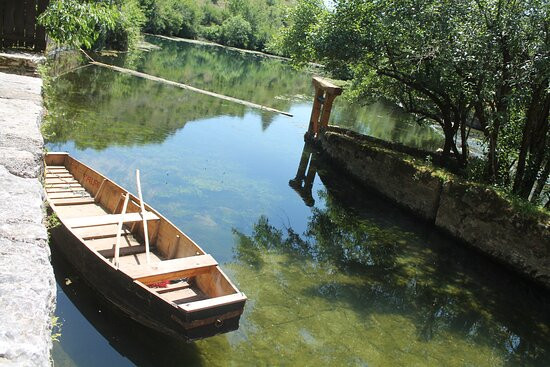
(56, 329)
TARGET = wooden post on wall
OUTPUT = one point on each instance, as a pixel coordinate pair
(325, 92)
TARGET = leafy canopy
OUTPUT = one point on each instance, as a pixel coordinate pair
(459, 63)
(77, 23)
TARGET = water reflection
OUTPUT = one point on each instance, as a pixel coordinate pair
(346, 279)
(387, 122)
(132, 343)
(98, 108)
(452, 306)
(303, 182)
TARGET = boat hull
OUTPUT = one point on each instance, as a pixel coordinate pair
(140, 304)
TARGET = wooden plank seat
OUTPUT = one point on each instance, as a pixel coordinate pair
(100, 220)
(184, 267)
(73, 201)
(57, 180)
(183, 295)
(61, 190)
(56, 167)
(62, 185)
(59, 175)
(106, 246)
(68, 194)
(214, 302)
(97, 232)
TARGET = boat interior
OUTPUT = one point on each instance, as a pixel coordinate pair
(96, 210)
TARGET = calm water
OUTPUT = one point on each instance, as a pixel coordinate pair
(335, 275)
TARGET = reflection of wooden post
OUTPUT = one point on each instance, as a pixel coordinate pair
(303, 182)
(325, 92)
(301, 173)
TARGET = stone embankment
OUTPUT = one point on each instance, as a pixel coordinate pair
(474, 214)
(20, 63)
(27, 284)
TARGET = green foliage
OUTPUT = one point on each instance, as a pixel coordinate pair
(77, 23)
(52, 221)
(297, 39)
(217, 21)
(192, 16)
(455, 63)
(212, 32)
(94, 24)
(236, 32)
(212, 15)
(56, 329)
(163, 17)
(134, 21)
(127, 30)
(172, 17)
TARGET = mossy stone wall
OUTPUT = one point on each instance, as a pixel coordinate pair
(474, 214)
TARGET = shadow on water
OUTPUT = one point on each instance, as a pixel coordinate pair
(448, 293)
(134, 343)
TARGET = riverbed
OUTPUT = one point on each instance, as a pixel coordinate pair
(335, 275)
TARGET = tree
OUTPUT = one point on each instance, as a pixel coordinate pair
(517, 100)
(296, 39)
(94, 24)
(457, 63)
(77, 23)
(236, 32)
(410, 52)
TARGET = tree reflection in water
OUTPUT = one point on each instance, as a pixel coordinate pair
(366, 265)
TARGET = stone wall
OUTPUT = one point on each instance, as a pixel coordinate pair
(385, 171)
(473, 214)
(489, 222)
(27, 284)
(22, 63)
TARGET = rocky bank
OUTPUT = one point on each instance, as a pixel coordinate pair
(27, 284)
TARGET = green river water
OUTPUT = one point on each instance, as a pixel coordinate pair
(335, 275)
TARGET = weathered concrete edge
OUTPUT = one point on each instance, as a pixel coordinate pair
(475, 215)
(21, 63)
(27, 283)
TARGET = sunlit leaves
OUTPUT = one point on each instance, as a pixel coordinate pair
(77, 23)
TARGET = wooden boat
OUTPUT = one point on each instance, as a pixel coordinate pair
(180, 290)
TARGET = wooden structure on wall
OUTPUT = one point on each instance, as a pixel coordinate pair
(18, 28)
(325, 92)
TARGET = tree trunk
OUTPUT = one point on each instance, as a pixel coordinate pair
(492, 159)
(533, 110)
(541, 181)
(502, 104)
(537, 128)
(464, 140)
(449, 139)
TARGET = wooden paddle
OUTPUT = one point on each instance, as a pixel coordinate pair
(119, 231)
(145, 231)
